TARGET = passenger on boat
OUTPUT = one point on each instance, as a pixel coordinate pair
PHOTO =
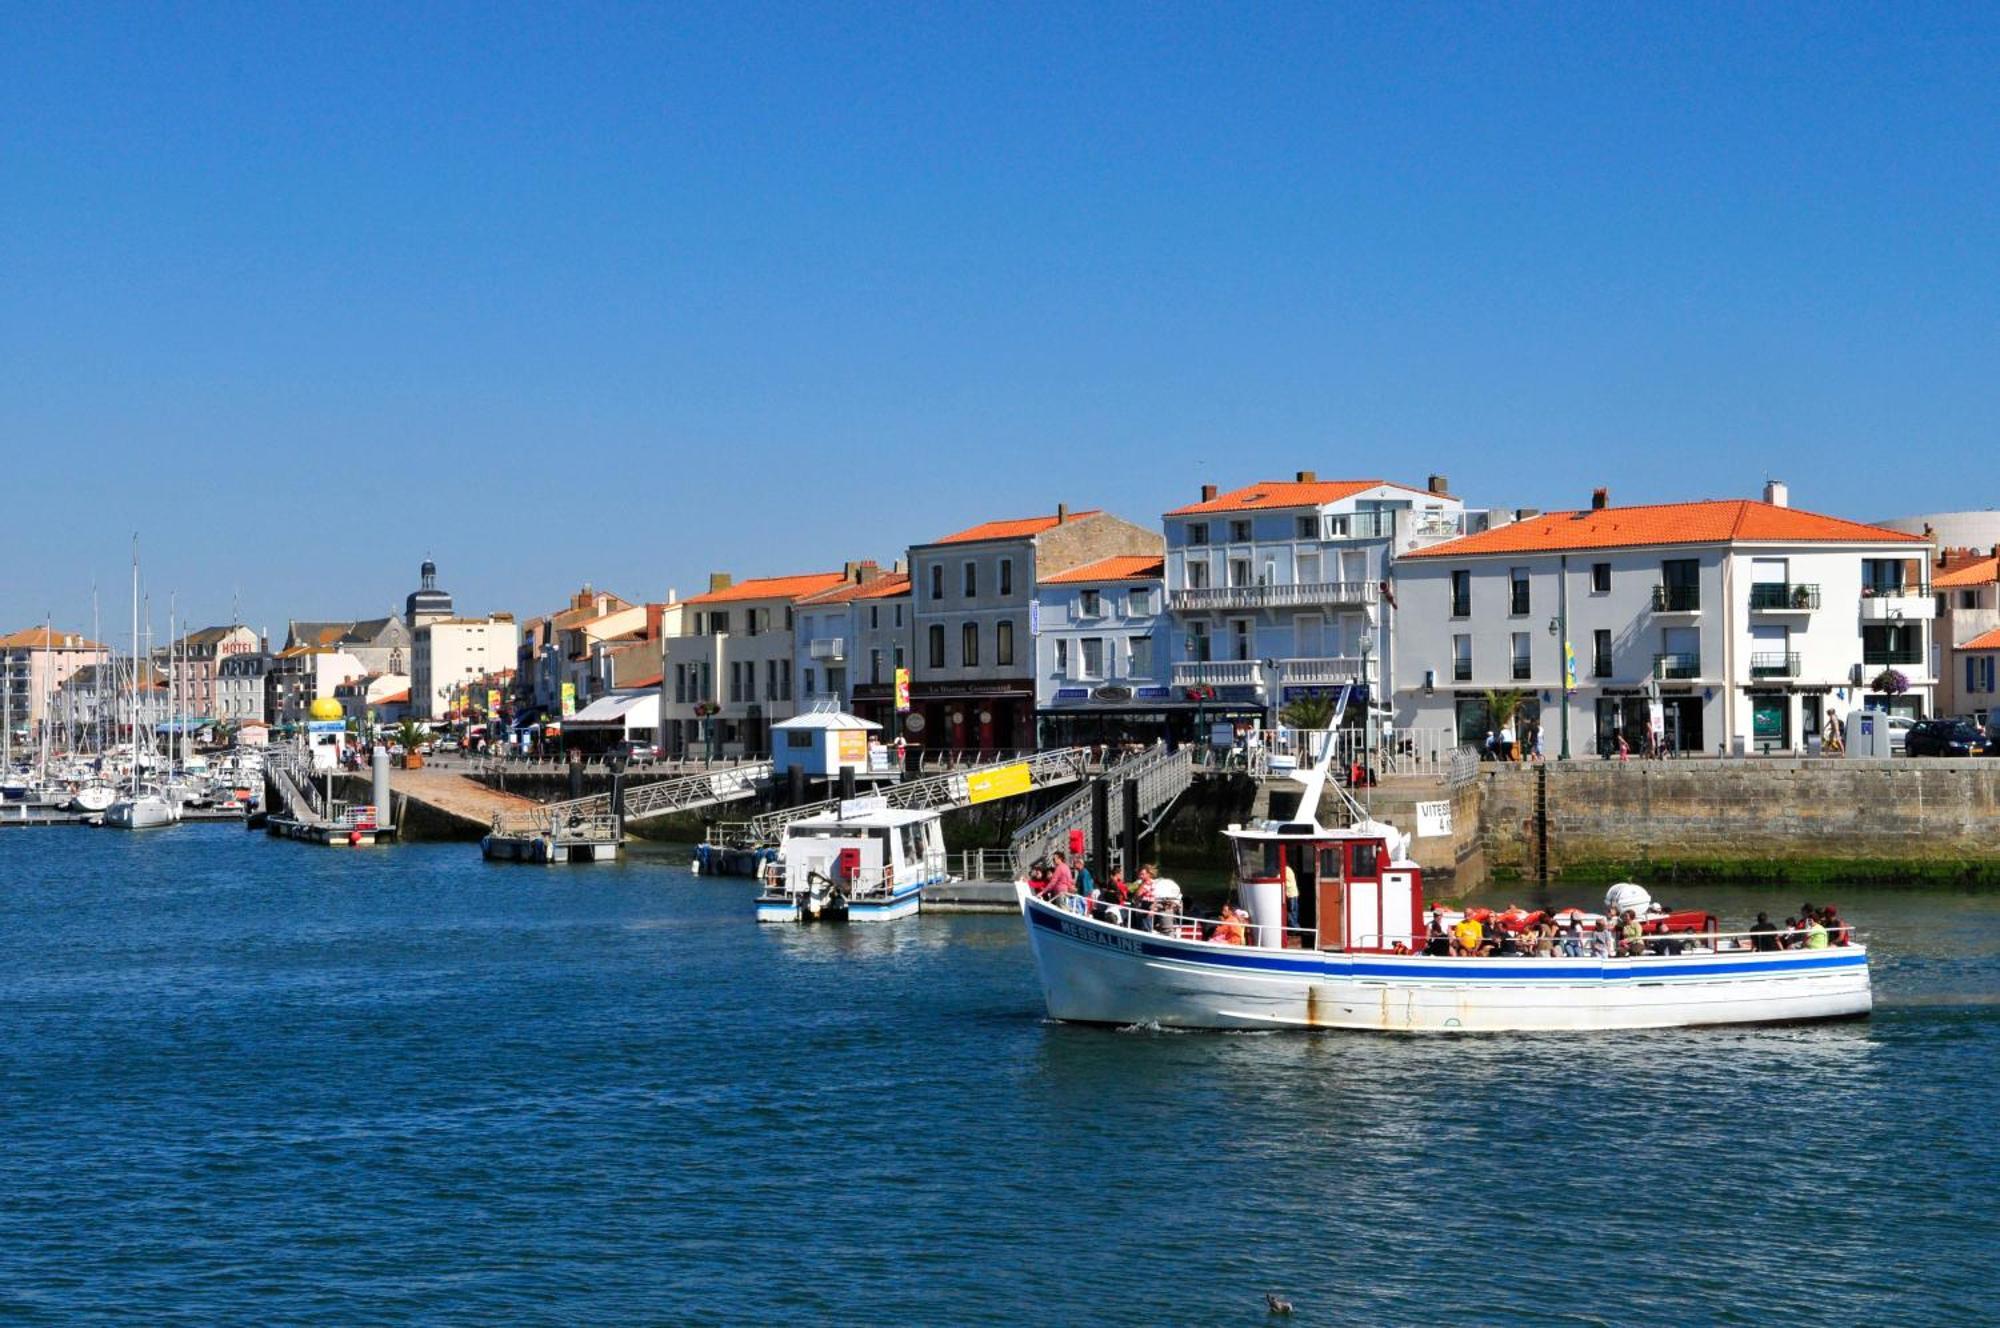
(1437, 938)
(1229, 929)
(1545, 938)
(1600, 939)
(1061, 882)
(1505, 944)
(1572, 946)
(1838, 932)
(1632, 934)
(1815, 932)
(1467, 937)
(1291, 897)
(1764, 933)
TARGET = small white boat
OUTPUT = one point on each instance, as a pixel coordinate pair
(1354, 961)
(148, 809)
(866, 862)
(93, 797)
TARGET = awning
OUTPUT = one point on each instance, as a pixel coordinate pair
(619, 710)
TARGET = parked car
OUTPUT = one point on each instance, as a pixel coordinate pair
(1945, 737)
(636, 753)
(1899, 733)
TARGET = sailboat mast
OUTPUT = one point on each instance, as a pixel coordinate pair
(135, 667)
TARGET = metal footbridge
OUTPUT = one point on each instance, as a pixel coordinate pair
(965, 787)
(683, 793)
(1162, 777)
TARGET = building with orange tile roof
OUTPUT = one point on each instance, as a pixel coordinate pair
(1967, 582)
(1274, 589)
(972, 672)
(1718, 624)
(851, 639)
(35, 663)
(730, 671)
(1101, 653)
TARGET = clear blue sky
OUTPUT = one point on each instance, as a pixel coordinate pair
(625, 294)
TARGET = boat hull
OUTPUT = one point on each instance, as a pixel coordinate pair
(791, 908)
(145, 813)
(1094, 972)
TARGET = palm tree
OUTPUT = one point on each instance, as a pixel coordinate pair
(411, 735)
(1308, 712)
(1501, 707)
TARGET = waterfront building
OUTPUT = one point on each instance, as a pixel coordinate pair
(1274, 590)
(973, 679)
(449, 653)
(381, 644)
(849, 640)
(240, 691)
(196, 660)
(300, 675)
(378, 697)
(1750, 623)
(1967, 585)
(35, 663)
(728, 673)
(1102, 666)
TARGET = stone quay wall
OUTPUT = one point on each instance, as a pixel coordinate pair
(1921, 821)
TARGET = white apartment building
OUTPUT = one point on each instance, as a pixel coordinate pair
(1275, 589)
(1748, 622)
(449, 654)
(1101, 665)
(729, 675)
(850, 640)
(239, 686)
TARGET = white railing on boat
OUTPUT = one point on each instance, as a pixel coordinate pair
(869, 884)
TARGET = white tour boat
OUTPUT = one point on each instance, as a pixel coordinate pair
(866, 862)
(1355, 961)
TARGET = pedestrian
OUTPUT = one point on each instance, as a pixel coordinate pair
(1291, 897)
(1539, 759)
(1490, 740)
(1624, 749)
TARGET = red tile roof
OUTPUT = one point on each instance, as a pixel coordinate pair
(1120, 567)
(1267, 495)
(1021, 529)
(650, 680)
(393, 698)
(1984, 641)
(887, 586)
(772, 587)
(1720, 521)
(1968, 574)
(41, 638)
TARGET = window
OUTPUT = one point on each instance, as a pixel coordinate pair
(899, 615)
(1197, 642)
(1239, 532)
(937, 580)
(799, 737)
(1461, 594)
(1006, 576)
(896, 658)
(1239, 638)
(1517, 597)
(968, 645)
(874, 667)
(937, 645)
(1138, 603)
(1600, 578)
(1062, 656)
(1089, 604)
(735, 680)
(1882, 576)
(1600, 652)
(1461, 658)
(1239, 571)
(1307, 527)
(1197, 532)
(1968, 599)
(1003, 642)
(1523, 656)
(1139, 653)
(784, 680)
(1093, 657)
(971, 580)
(874, 617)
(810, 679)
(718, 622)
(1680, 585)
(1197, 573)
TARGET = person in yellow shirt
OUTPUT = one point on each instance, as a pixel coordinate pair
(1291, 898)
(1467, 936)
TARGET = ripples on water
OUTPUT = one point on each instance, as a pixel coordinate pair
(244, 1081)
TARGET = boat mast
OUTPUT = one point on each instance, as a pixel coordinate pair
(135, 667)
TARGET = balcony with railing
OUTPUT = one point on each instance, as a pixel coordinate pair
(1907, 603)
(1774, 664)
(1885, 655)
(1313, 594)
(1317, 671)
(828, 647)
(1782, 597)
(1217, 673)
(1676, 599)
(1677, 666)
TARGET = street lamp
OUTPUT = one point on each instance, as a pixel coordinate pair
(1559, 629)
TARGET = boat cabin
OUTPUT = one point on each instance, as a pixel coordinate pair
(1357, 890)
(864, 851)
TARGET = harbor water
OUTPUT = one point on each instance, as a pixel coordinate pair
(246, 1081)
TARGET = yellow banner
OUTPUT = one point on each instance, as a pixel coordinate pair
(1002, 782)
(492, 701)
(902, 691)
(568, 699)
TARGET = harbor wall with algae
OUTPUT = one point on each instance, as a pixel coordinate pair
(1932, 822)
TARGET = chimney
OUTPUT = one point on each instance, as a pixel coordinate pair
(719, 581)
(867, 571)
(1062, 513)
(1439, 484)
(1776, 494)
(1208, 493)
(1600, 499)
(1523, 513)
(1308, 477)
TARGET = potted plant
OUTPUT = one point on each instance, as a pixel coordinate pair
(411, 736)
(1890, 682)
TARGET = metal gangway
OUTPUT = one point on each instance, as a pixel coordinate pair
(683, 793)
(288, 772)
(959, 788)
(1162, 775)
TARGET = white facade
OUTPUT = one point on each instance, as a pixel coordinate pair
(1274, 589)
(239, 687)
(729, 674)
(1101, 654)
(451, 652)
(1757, 641)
